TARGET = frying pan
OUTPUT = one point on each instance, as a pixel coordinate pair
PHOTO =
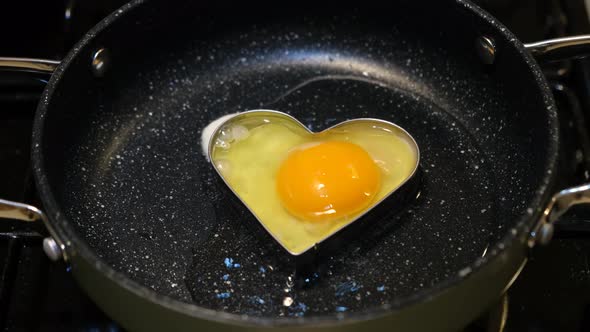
(133, 207)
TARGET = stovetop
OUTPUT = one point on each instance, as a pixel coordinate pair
(551, 294)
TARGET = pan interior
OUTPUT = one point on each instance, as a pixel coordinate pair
(122, 152)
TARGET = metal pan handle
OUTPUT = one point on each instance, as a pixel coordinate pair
(52, 246)
(560, 48)
(28, 64)
(560, 203)
(19, 211)
(100, 62)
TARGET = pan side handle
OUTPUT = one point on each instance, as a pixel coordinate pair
(9, 209)
(28, 64)
(19, 211)
(560, 48)
(53, 247)
(560, 203)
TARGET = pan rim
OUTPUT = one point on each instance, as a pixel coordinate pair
(64, 228)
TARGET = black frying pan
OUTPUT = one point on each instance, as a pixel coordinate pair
(135, 209)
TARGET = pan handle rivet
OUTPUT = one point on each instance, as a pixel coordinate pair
(52, 249)
(486, 49)
(100, 62)
(545, 234)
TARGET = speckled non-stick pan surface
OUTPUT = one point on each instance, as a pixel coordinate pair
(122, 153)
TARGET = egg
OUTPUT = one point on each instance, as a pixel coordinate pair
(303, 186)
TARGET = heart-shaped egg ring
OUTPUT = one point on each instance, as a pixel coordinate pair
(405, 189)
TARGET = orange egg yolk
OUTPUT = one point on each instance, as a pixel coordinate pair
(327, 181)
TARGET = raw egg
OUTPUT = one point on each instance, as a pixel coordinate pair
(302, 186)
(329, 180)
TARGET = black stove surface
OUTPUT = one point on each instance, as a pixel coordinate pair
(551, 294)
